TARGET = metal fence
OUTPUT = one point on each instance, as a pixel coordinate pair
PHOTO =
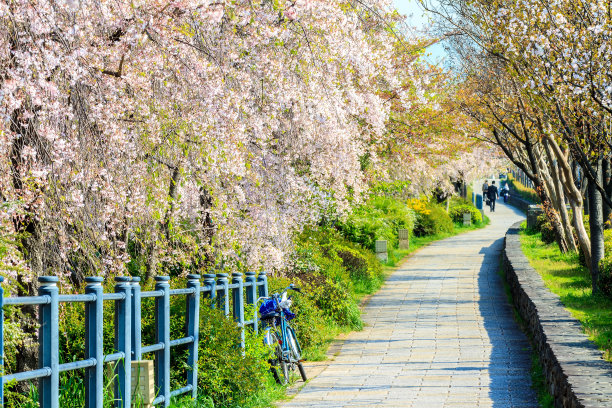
(127, 325)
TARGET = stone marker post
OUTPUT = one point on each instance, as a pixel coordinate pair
(143, 383)
(404, 238)
(381, 250)
(532, 215)
(467, 219)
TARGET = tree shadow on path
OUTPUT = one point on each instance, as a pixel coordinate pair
(509, 382)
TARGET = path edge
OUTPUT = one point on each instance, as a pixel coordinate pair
(575, 371)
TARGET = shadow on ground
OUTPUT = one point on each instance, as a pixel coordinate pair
(510, 360)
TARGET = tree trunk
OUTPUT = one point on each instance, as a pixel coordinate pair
(208, 228)
(541, 187)
(32, 247)
(585, 188)
(172, 199)
(607, 210)
(583, 237)
(555, 173)
(596, 225)
(568, 173)
(565, 220)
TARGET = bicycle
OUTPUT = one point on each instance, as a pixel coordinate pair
(279, 334)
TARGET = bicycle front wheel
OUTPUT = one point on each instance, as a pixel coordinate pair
(302, 371)
(294, 346)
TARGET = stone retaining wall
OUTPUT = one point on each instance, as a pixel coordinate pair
(576, 373)
(518, 202)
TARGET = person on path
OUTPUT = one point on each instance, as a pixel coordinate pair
(492, 194)
(485, 188)
(505, 192)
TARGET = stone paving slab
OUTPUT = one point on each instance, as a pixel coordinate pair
(439, 334)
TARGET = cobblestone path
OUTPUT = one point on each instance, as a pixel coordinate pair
(439, 334)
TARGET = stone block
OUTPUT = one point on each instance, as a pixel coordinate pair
(404, 238)
(143, 383)
(532, 215)
(381, 250)
(467, 219)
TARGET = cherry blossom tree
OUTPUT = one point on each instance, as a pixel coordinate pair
(163, 137)
(557, 53)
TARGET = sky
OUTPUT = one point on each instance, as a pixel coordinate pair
(419, 19)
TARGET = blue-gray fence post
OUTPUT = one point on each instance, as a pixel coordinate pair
(94, 336)
(136, 320)
(251, 295)
(192, 323)
(162, 335)
(48, 390)
(238, 303)
(262, 279)
(1, 342)
(123, 342)
(211, 283)
(224, 300)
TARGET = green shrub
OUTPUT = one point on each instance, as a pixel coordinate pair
(456, 213)
(379, 219)
(332, 271)
(434, 220)
(224, 374)
(335, 301)
(581, 258)
(330, 288)
(540, 221)
(524, 192)
(605, 276)
(608, 242)
(548, 233)
(327, 251)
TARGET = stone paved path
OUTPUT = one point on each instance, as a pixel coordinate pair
(439, 334)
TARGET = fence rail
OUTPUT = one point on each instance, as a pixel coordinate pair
(127, 324)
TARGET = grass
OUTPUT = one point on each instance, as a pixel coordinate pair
(331, 334)
(538, 382)
(268, 394)
(564, 276)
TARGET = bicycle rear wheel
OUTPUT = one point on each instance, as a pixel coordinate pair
(283, 377)
(275, 375)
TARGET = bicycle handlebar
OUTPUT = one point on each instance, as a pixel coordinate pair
(290, 287)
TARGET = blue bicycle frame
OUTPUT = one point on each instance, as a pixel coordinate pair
(280, 334)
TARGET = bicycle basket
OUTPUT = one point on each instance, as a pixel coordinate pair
(288, 314)
(268, 309)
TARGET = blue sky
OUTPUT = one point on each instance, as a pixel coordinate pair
(419, 19)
